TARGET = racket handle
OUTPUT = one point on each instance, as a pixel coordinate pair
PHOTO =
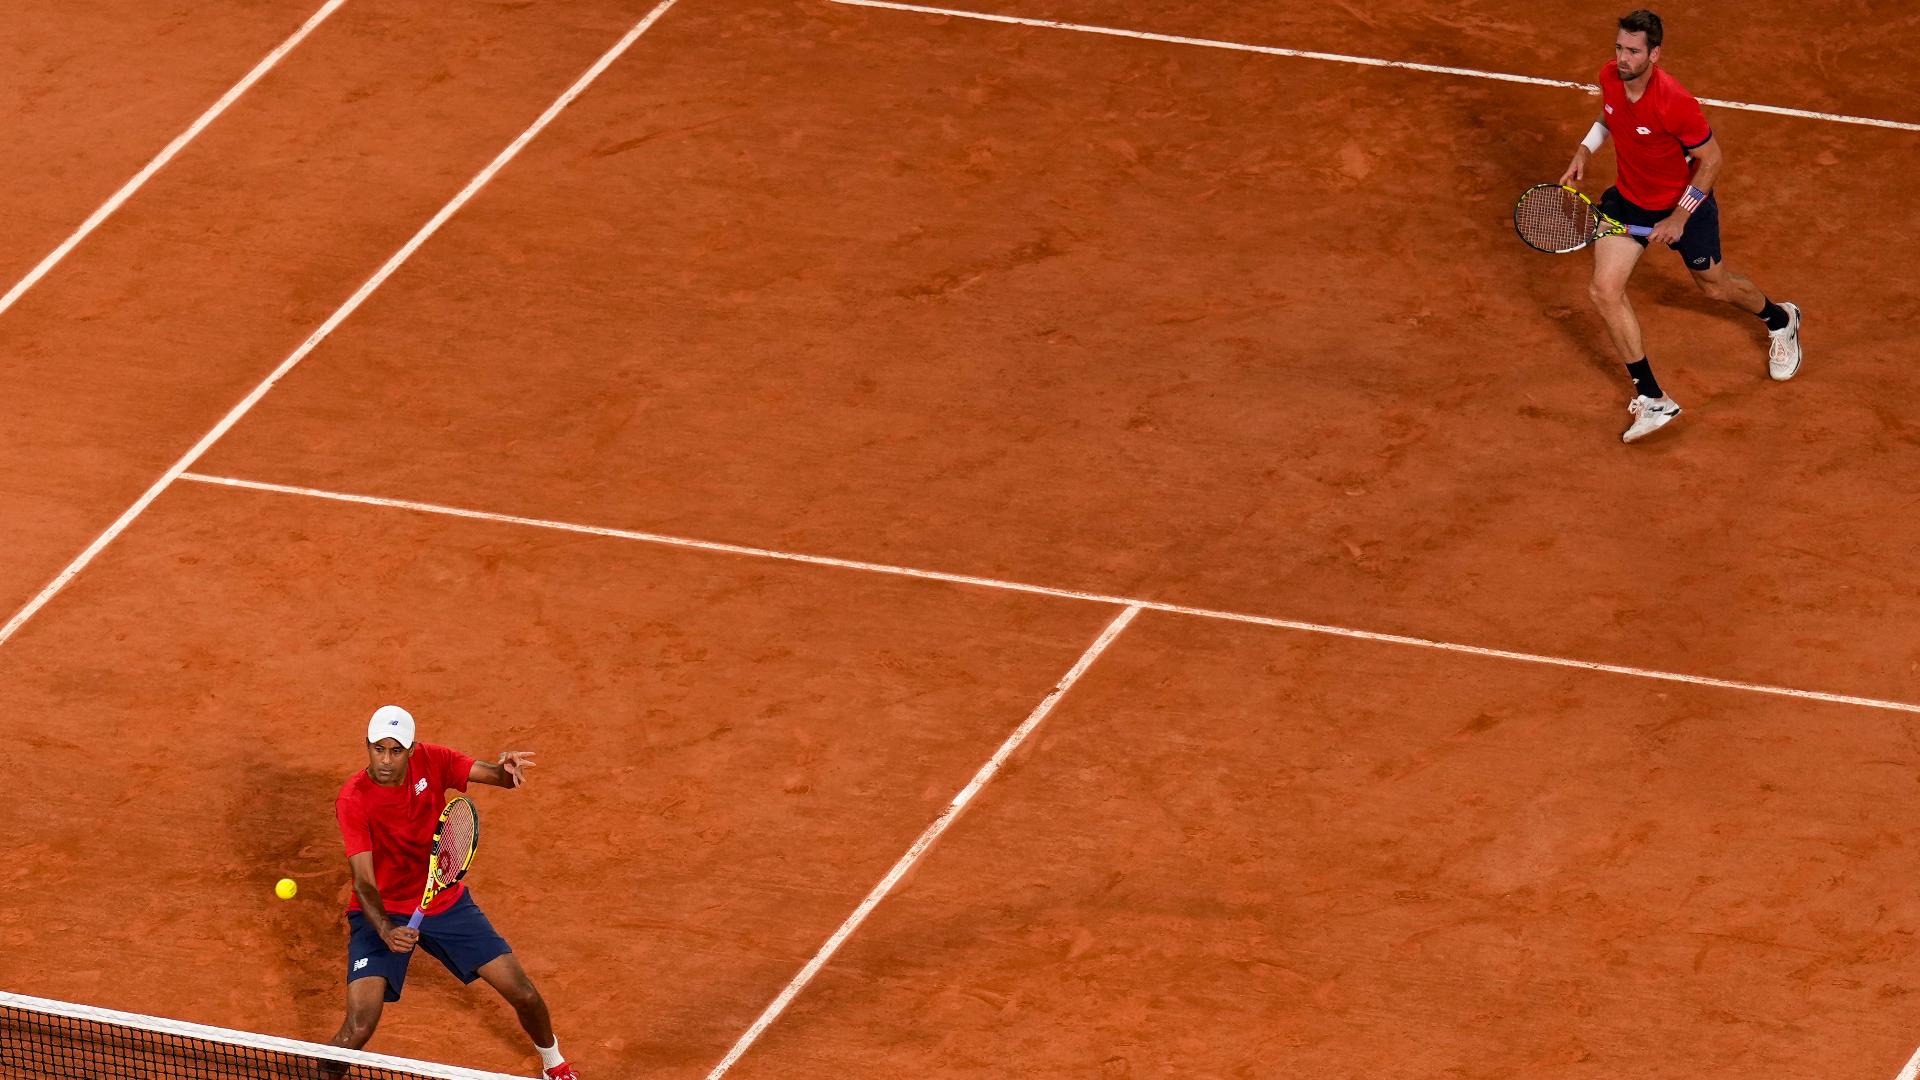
(1639, 230)
(414, 922)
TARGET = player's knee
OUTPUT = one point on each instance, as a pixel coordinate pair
(358, 1028)
(1605, 294)
(1714, 288)
(522, 994)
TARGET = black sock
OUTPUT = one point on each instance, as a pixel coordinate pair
(1642, 372)
(1774, 316)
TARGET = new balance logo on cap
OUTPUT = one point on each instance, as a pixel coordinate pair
(420, 785)
(391, 722)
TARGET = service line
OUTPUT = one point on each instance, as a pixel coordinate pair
(1064, 594)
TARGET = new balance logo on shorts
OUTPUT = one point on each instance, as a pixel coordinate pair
(1701, 261)
(360, 963)
(420, 786)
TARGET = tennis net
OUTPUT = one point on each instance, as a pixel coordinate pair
(55, 1040)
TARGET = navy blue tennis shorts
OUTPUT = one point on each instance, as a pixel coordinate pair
(460, 938)
(1699, 243)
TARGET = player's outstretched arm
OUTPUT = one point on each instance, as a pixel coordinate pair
(508, 772)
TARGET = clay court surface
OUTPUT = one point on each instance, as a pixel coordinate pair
(1237, 349)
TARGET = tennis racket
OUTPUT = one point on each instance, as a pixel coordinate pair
(455, 838)
(1558, 219)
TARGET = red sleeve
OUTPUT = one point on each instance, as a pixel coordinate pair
(353, 824)
(450, 766)
(1685, 119)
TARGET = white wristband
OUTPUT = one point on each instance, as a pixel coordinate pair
(1596, 135)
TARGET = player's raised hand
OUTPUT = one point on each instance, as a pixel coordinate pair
(515, 763)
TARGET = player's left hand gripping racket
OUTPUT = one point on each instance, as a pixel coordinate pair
(455, 839)
(1559, 219)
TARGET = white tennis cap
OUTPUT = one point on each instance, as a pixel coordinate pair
(391, 722)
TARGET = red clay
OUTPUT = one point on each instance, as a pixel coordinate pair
(1240, 854)
(94, 90)
(731, 752)
(1227, 330)
(202, 284)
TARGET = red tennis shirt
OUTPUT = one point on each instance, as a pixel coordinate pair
(1653, 138)
(396, 824)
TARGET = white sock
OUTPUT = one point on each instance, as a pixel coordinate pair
(549, 1055)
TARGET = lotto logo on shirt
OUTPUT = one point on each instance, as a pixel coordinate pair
(1664, 125)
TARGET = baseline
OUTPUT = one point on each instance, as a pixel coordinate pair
(1343, 58)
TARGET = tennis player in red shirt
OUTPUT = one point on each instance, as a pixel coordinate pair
(1668, 163)
(387, 814)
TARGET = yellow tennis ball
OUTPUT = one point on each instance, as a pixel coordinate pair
(285, 888)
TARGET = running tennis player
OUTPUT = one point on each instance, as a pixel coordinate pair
(1668, 162)
(387, 815)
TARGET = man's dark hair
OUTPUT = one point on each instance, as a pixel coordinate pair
(1645, 22)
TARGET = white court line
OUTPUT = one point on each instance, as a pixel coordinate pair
(166, 154)
(313, 341)
(1911, 1069)
(1342, 58)
(940, 825)
(1065, 594)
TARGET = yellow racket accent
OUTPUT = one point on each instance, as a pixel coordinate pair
(1558, 219)
(456, 839)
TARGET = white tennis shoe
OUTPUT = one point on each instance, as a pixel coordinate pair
(1649, 416)
(1783, 346)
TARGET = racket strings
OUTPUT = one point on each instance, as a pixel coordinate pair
(1555, 219)
(457, 839)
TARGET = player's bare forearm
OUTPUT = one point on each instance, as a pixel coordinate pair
(371, 907)
(508, 772)
(367, 888)
(1711, 159)
(1577, 168)
(486, 772)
